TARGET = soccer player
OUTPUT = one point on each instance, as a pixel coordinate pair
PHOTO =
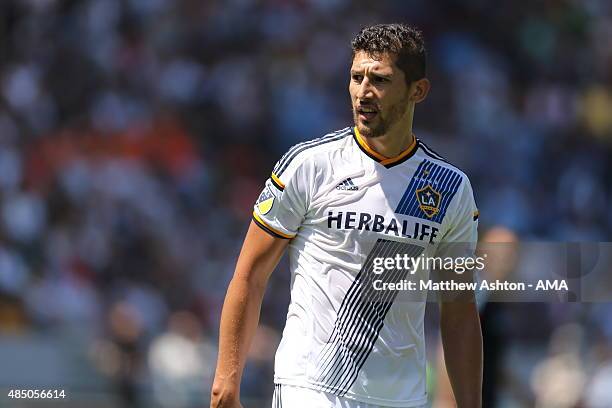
(339, 203)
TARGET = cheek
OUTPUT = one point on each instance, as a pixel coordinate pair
(392, 99)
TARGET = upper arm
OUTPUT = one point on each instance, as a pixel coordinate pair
(459, 242)
(462, 232)
(283, 203)
(259, 256)
(277, 216)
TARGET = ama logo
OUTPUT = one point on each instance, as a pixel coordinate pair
(429, 200)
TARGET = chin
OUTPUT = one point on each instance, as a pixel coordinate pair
(365, 130)
(364, 127)
(369, 131)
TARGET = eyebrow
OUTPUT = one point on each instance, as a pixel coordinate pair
(387, 76)
(360, 72)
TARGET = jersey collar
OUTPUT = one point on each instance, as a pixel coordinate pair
(385, 161)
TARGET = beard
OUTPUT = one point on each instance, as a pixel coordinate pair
(384, 122)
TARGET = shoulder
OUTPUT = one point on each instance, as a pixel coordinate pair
(303, 152)
(451, 181)
(440, 161)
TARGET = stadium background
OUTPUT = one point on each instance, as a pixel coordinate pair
(136, 134)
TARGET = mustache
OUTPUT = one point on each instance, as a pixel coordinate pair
(366, 105)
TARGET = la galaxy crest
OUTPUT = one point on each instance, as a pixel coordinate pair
(265, 201)
(429, 200)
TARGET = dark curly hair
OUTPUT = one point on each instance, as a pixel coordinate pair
(400, 39)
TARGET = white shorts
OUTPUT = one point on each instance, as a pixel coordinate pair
(289, 396)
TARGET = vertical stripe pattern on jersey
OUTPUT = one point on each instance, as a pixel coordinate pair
(277, 400)
(442, 179)
(284, 162)
(360, 318)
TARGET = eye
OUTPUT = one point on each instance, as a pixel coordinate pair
(380, 80)
(357, 77)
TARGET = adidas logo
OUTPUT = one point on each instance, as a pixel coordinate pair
(347, 185)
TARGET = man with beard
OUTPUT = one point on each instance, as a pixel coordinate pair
(340, 203)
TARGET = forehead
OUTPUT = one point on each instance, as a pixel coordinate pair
(384, 62)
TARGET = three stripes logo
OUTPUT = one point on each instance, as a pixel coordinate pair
(347, 185)
(286, 160)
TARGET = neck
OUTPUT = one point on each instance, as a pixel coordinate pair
(392, 143)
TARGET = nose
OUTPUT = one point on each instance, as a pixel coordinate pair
(365, 89)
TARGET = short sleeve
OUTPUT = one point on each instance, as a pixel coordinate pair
(282, 205)
(462, 232)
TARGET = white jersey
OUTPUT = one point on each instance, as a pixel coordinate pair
(342, 205)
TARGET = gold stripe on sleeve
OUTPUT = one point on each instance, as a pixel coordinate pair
(277, 182)
(268, 228)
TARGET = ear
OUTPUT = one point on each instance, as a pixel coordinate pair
(419, 89)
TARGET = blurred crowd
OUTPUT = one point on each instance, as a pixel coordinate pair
(135, 136)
